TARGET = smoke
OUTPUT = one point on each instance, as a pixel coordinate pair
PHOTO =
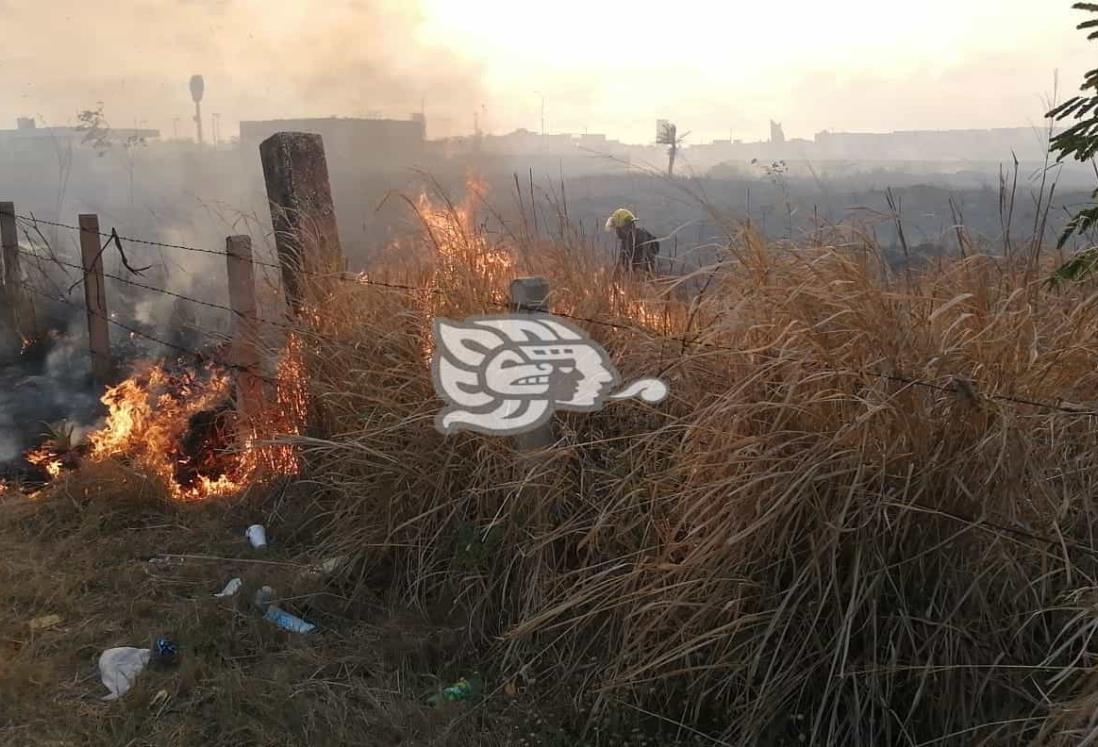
(714, 66)
(260, 60)
(9, 447)
(45, 389)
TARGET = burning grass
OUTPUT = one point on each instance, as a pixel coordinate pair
(177, 423)
(798, 544)
(801, 545)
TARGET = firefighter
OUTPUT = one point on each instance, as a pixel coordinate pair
(639, 248)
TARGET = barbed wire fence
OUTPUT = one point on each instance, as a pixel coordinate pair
(956, 384)
(299, 194)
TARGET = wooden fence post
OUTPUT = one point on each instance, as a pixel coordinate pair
(95, 299)
(244, 354)
(531, 295)
(302, 214)
(18, 311)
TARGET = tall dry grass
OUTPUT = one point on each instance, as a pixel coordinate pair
(798, 546)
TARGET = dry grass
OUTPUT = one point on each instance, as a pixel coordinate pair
(793, 548)
(82, 552)
(801, 546)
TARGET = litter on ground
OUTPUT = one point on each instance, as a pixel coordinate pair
(230, 589)
(119, 667)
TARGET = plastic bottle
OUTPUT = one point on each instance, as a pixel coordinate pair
(264, 599)
(286, 621)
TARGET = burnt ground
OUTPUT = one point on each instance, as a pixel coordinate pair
(92, 553)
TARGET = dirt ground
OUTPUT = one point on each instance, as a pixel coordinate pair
(120, 567)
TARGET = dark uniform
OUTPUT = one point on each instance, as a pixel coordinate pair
(639, 248)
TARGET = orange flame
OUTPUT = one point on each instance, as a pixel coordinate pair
(45, 459)
(466, 257)
(153, 413)
(284, 418)
(465, 253)
(148, 416)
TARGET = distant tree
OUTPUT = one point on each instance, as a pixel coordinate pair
(130, 146)
(1080, 141)
(97, 131)
(667, 134)
(776, 172)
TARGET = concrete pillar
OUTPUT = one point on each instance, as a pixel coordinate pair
(95, 299)
(302, 214)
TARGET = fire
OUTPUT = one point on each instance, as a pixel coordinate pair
(58, 452)
(44, 458)
(179, 426)
(467, 262)
(466, 257)
(150, 414)
(646, 314)
(285, 418)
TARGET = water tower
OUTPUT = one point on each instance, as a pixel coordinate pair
(198, 86)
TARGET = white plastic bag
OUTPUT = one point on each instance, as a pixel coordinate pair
(119, 667)
(230, 588)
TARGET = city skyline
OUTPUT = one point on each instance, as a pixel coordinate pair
(719, 72)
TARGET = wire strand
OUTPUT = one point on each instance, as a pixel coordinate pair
(362, 280)
(343, 277)
(151, 338)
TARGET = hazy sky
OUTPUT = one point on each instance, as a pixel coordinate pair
(717, 67)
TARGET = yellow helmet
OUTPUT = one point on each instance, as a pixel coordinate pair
(620, 218)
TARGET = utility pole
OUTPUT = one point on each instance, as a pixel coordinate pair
(198, 86)
(216, 129)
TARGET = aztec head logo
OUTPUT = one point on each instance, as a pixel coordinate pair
(505, 375)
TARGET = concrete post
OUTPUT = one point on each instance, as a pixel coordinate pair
(95, 299)
(302, 214)
(531, 295)
(244, 354)
(18, 315)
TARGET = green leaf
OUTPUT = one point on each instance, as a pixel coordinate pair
(1076, 269)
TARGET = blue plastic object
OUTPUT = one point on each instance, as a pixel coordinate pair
(165, 650)
(286, 621)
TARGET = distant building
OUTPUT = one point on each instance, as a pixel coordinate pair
(932, 145)
(28, 138)
(350, 141)
(906, 146)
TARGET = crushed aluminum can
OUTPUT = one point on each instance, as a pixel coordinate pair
(264, 598)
